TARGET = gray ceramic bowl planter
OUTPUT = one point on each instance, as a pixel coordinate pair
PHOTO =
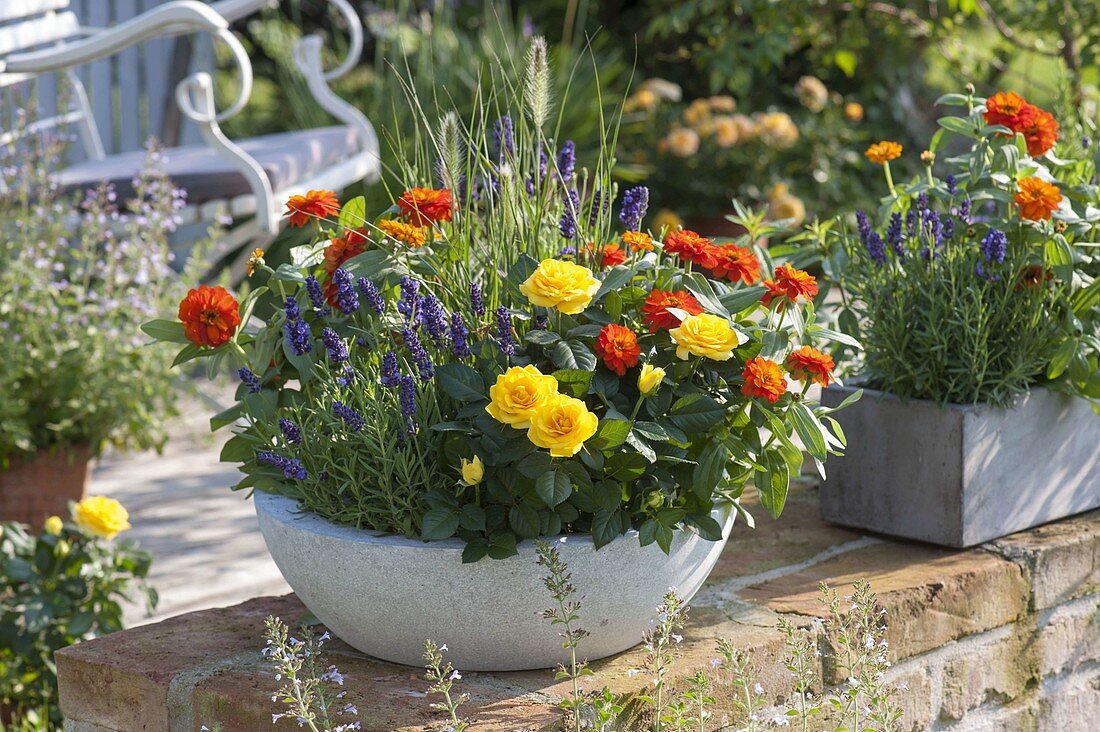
(386, 595)
(961, 475)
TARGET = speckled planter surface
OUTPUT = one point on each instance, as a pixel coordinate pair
(385, 595)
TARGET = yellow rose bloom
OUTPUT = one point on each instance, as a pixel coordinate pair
(101, 516)
(472, 471)
(518, 393)
(650, 378)
(562, 425)
(53, 525)
(706, 335)
(563, 285)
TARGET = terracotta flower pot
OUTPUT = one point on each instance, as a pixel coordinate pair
(33, 489)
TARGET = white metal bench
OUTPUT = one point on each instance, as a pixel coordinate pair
(246, 180)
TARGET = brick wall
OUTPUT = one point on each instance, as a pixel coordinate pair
(1002, 637)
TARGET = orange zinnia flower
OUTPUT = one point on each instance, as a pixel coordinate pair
(209, 316)
(764, 378)
(810, 364)
(883, 152)
(336, 254)
(655, 309)
(790, 283)
(688, 245)
(736, 263)
(1037, 199)
(425, 206)
(618, 347)
(315, 204)
(1040, 132)
(1032, 276)
(612, 255)
(638, 241)
(400, 231)
(1008, 109)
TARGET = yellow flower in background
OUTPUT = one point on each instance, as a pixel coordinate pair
(777, 129)
(706, 335)
(697, 112)
(643, 99)
(562, 425)
(473, 471)
(883, 152)
(562, 285)
(723, 103)
(853, 111)
(682, 142)
(778, 190)
(101, 516)
(650, 378)
(746, 127)
(787, 206)
(53, 525)
(667, 219)
(812, 93)
(727, 132)
(518, 393)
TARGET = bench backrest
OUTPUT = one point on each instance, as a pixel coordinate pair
(58, 99)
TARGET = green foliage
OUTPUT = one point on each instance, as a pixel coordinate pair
(967, 324)
(76, 276)
(56, 590)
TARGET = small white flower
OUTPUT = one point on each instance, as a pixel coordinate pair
(715, 662)
(780, 721)
(443, 648)
(455, 675)
(677, 638)
(632, 672)
(758, 689)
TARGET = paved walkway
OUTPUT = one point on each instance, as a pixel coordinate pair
(207, 547)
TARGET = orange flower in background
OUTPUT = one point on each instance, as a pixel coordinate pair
(638, 241)
(655, 309)
(736, 263)
(1032, 276)
(209, 315)
(1040, 133)
(688, 245)
(1037, 199)
(1008, 109)
(313, 205)
(400, 231)
(883, 152)
(425, 206)
(618, 347)
(764, 378)
(254, 261)
(810, 364)
(790, 283)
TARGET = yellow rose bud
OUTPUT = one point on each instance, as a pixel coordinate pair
(472, 471)
(53, 525)
(563, 285)
(101, 516)
(518, 393)
(562, 425)
(650, 378)
(706, 335)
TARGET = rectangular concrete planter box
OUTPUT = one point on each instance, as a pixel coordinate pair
(961, 475)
